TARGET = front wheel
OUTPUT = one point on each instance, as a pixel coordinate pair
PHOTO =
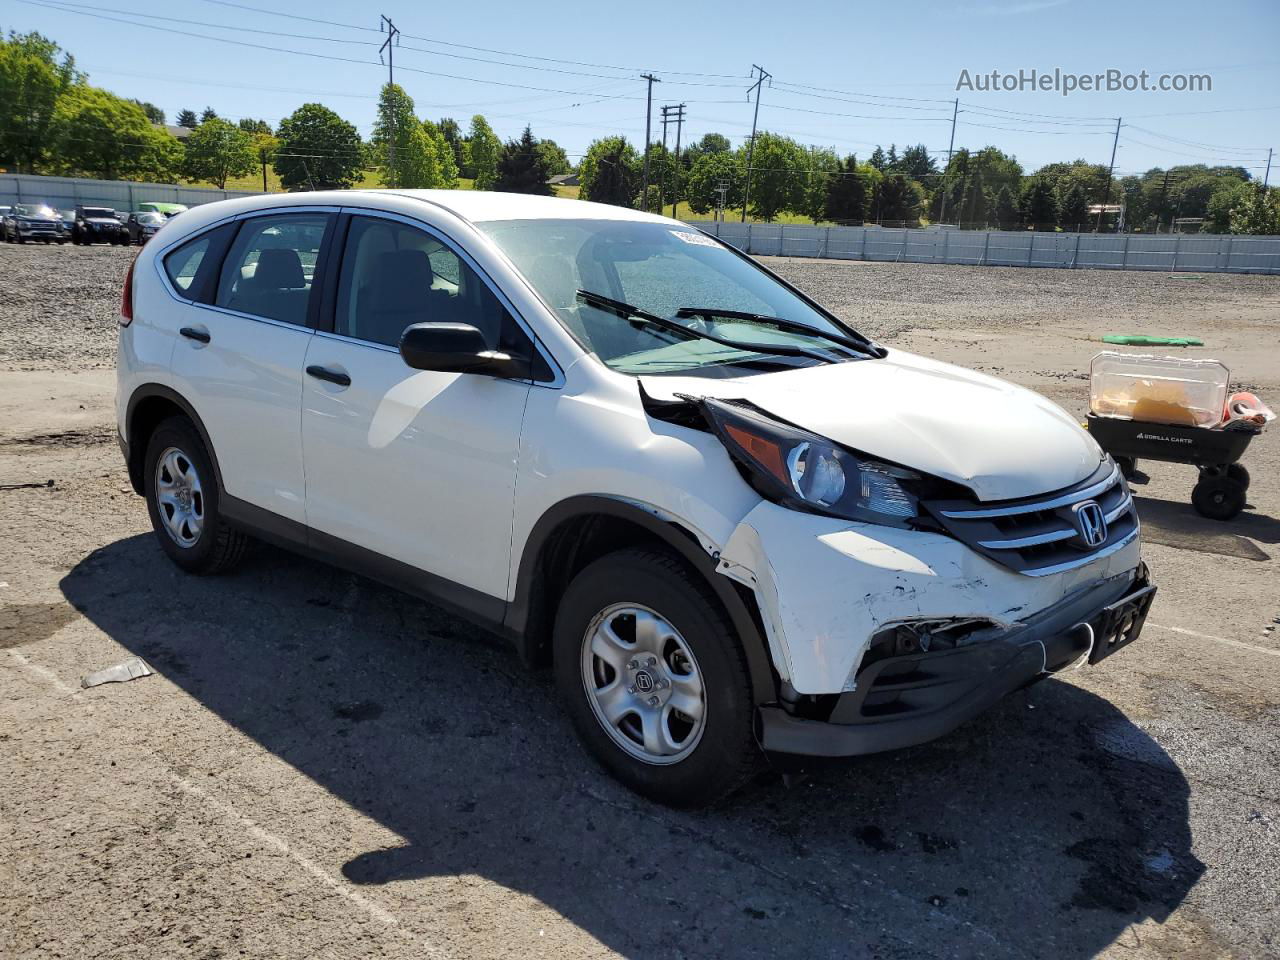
(182, 500)
(1218, 498)
(654, 679)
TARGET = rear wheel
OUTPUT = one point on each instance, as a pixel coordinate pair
(182, 500)
(654, 679)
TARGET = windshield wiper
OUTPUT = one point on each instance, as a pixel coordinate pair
(790, 326)
(627, 311)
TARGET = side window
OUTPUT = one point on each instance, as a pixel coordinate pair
(394, 275)
(269, 269)
(183, 265)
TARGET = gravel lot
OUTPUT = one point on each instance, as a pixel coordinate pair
(324, 768)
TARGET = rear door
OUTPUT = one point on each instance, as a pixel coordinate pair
(240, 354)
(418, 466)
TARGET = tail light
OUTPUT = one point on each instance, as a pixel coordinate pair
(126, 296)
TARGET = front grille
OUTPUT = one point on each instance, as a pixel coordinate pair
(1042, 535)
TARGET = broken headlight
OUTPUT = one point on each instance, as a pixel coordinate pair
(799, 469)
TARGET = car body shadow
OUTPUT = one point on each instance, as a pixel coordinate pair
(1044, 828)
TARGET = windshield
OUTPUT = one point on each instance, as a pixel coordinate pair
(659, 268)
(99, 213)
(32, 210)
(150, 218)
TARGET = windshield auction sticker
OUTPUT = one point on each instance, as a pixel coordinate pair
(697, 239)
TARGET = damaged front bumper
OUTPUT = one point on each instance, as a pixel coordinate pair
(831, 594)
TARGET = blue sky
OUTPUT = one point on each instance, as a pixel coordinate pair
(846, 75)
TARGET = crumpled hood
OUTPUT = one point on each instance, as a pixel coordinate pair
(1000, 440)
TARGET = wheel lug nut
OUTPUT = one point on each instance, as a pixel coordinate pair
(651, 661)
(653, 701)
(632, 664)
(631, 689)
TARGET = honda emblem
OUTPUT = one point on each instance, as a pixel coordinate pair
(1091, 522)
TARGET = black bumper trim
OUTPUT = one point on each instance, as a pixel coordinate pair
(951, 687)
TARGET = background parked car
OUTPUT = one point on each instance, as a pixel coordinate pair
(165, 209)
(98, 225)
(142, 225)
(32, 221)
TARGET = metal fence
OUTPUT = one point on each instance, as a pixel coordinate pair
(64, 193)
(1106, 251)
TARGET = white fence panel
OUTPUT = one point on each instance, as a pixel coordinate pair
(1022, 248)
(64, 193)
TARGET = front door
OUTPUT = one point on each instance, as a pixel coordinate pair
(415, 465)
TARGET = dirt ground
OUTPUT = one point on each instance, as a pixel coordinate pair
(322, 768)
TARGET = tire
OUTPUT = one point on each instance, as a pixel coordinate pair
(196, 538)
(1239, 474)
(698, 661)
(1218, 498)
(1128, 466)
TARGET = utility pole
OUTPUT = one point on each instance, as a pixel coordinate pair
(722, 188)
(675, 192)
(751, 148)
(1164, 192)
(955, 112)
(387, 45)
(648, 117)
(262, 155)
(1267, 176)
(1106, 197)
(668, 116)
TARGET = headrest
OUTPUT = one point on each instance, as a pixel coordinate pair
(401, 281)
(279, 269)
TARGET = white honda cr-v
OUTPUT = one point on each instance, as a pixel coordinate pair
(729, 521)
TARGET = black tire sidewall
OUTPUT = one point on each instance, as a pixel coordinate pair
(1205, 490)
(724, 753)
(179, 432)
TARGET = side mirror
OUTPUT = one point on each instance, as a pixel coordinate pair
(457, 348)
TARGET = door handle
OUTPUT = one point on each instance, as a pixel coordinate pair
(332, 376)
(191, 333)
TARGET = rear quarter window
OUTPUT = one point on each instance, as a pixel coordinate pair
(192, 267)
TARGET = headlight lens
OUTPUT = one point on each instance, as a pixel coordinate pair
(801, 469)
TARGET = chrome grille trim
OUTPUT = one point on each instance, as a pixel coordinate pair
(986, 513)
(1039, 536)
(1086, 558)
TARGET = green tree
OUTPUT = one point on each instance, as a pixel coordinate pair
(849, 193)
(446, 165)
(265, 146)
(557, 160)
(97, 134)
(709, 171)
(610, 173)
(777, 180)
(1074, 208)
(1223, 203)
(916, 163)
(1038, 205)
(208, 114)
(405, 156)
(486, 151)
(452, 134)
(251, 126)
(712, 143)
(34, 74)
(522, 168)
(154, 113)
(318, 147)
(878, 160)
(823, 164)
(1004, 208)
(899, 199)
(1257, 212)
(188, 119)
(216, 151)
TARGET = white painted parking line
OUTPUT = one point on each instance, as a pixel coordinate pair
(1208, 636)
